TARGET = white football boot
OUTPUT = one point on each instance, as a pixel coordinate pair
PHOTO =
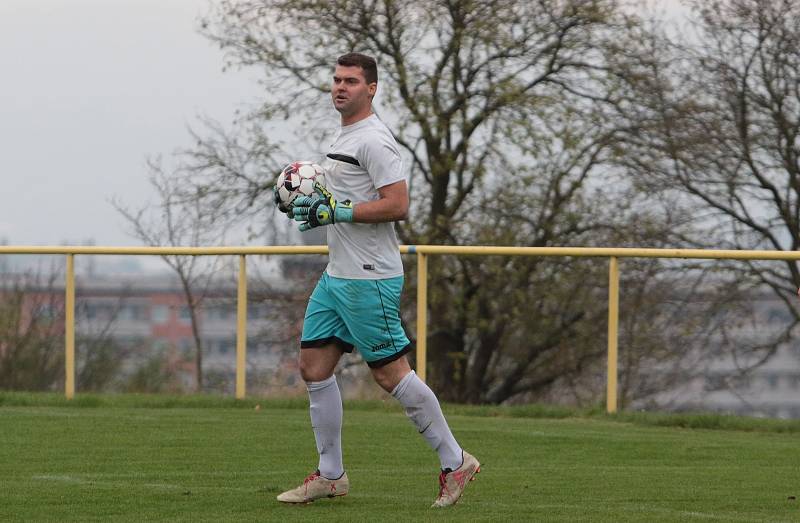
(316, 487)
(453, 482)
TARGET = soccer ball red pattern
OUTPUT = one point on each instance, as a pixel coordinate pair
(298, 179)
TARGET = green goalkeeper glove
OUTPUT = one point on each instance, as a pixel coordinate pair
(320, 209)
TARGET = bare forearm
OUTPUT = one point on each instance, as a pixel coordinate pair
(378, 211)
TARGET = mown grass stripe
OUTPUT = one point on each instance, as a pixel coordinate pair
(157, 401)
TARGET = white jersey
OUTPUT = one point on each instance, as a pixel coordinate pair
(363, 158)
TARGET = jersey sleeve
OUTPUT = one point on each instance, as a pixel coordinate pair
(381, 158)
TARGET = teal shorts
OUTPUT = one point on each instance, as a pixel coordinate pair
(357, 313)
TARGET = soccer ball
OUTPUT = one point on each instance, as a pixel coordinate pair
(298, 179)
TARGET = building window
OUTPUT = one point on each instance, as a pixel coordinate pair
(45, 312)
(220, 312)
(135, 343)
(779, 315)
(133, 312)
(255, 311)
(160, 347)
(226, 346)
(772, 381)
(99, 311)
(159, 314)
(715, 382)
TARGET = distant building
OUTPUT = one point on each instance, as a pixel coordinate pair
(735, 381)
(147, 317)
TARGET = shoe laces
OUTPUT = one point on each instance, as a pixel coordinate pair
(311, 477)
(442, 483)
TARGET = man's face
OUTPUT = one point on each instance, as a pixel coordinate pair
(350, 92)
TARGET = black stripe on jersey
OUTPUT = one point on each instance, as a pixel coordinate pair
(344, 158)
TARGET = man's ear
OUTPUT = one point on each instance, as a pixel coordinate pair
(372, 88)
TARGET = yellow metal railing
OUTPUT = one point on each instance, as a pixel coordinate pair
(69, 328)
(422, 252)
(241, 328)
(613, 334)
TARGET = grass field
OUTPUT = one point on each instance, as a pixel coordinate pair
(207, 459)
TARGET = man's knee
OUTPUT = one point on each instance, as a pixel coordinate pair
(318, 364)
(390, 374)
(385, 380)
(311, 371)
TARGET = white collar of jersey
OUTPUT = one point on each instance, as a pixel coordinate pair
(359, 124)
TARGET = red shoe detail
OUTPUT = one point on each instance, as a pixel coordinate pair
(460, 477)
(443, 483)
(453, 482)
(311, 477)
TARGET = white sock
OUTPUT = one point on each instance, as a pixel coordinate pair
(424, 410)
(326, 420)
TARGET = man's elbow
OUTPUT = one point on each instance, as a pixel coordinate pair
(401, 213)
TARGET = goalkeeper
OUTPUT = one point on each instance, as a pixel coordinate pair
(356, 303)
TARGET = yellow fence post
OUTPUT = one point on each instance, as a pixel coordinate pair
(613, 330)
(241, 330)
(69, 328)
(422, 314)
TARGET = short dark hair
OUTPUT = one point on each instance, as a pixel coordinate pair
(365, 62)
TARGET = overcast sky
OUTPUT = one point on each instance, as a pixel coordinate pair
(88, 90)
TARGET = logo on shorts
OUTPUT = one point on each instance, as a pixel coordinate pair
(381, 346)
(368, 267)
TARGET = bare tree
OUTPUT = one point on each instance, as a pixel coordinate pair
(717, 122)
(98, 355)
(232, 173)
(31, 332)
(176, 221)
(506, 111)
